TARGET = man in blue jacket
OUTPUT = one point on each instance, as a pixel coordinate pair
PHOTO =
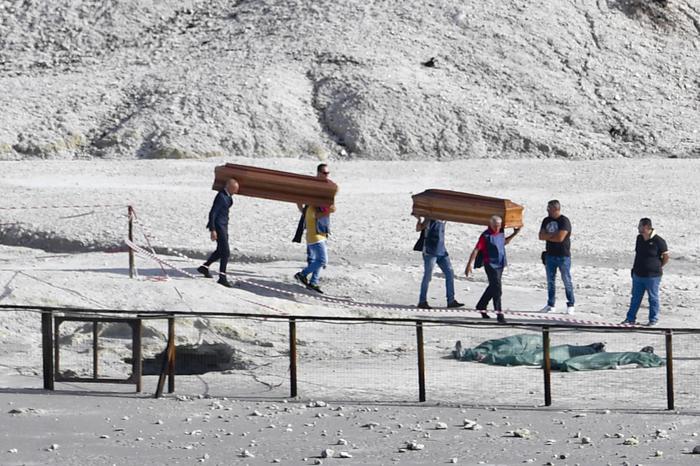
(218, 229)
(492, 248)
(434, 252)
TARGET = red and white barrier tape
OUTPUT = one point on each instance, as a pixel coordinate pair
(139, 250)
(380, 307)
(88, 206)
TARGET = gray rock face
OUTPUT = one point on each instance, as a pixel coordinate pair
(399, 79)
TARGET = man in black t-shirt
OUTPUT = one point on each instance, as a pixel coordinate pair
(651, 254)
(556, 231)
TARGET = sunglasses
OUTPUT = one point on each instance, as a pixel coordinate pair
(324, 173)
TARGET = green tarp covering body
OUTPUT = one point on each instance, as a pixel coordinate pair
(608, 361)
(527, 350)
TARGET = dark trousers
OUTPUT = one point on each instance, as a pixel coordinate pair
(222, 252)
(493, 291)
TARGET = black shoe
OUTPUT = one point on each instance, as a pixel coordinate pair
(423, 305)
(485, 315)
(225, 282)
(500, 319)
(628, 322)
(204, 270)
(455, 303)
(301, 279)
(315, 288)
(457, 352)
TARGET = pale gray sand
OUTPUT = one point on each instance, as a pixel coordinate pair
(122, 429)
(369, 263)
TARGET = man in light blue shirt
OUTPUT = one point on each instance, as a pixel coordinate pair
(434, 252)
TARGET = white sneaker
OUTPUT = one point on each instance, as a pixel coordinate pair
(570, 310)
(548, 309)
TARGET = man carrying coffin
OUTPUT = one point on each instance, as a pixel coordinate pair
(317, 223)
(218, 230)
(490, 252)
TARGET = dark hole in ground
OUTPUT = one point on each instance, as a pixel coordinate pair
(198, 359)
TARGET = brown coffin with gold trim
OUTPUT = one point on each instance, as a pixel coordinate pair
(459, 207)
(276, 185)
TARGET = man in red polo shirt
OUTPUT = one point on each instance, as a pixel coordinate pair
(492, 249)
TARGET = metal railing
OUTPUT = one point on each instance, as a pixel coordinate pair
(51, 316)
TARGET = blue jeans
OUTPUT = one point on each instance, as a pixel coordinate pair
(639, 286)
(563, 264)
(317, 258)
(443, 262)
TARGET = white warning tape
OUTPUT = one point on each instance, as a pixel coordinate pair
(379, 307)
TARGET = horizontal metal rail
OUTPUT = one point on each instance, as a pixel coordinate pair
(453, 320)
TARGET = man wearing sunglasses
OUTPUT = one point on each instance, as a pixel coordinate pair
(317, 223)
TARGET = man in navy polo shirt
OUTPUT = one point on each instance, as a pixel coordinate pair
(651, 255)
(492, 246)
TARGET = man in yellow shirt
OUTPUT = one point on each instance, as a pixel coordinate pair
(317, 223)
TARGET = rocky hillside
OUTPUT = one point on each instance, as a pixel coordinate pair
(375, 79)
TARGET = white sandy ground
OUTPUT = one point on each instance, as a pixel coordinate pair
(371, 261)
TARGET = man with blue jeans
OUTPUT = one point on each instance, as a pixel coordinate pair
(556, 232)
(434, 252)
(651, 255)
(316, 221)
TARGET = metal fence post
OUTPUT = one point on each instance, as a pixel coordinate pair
(168, 361)
(547, 366)
(132, 266)
(137, 363)
(292, 358)
(171, 354)
(47, 348)
(56, 347)
(421, 362)
(95, 351)
(669, 370)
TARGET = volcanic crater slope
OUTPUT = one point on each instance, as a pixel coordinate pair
(396, 79)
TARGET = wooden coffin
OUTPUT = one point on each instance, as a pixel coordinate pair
(459, 207)
(276, 185)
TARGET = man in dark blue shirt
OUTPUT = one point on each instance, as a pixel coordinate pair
(434, 252)
(218, 230)
(556, 232)
(651, 255)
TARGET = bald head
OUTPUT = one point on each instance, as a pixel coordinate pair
(232, 186)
